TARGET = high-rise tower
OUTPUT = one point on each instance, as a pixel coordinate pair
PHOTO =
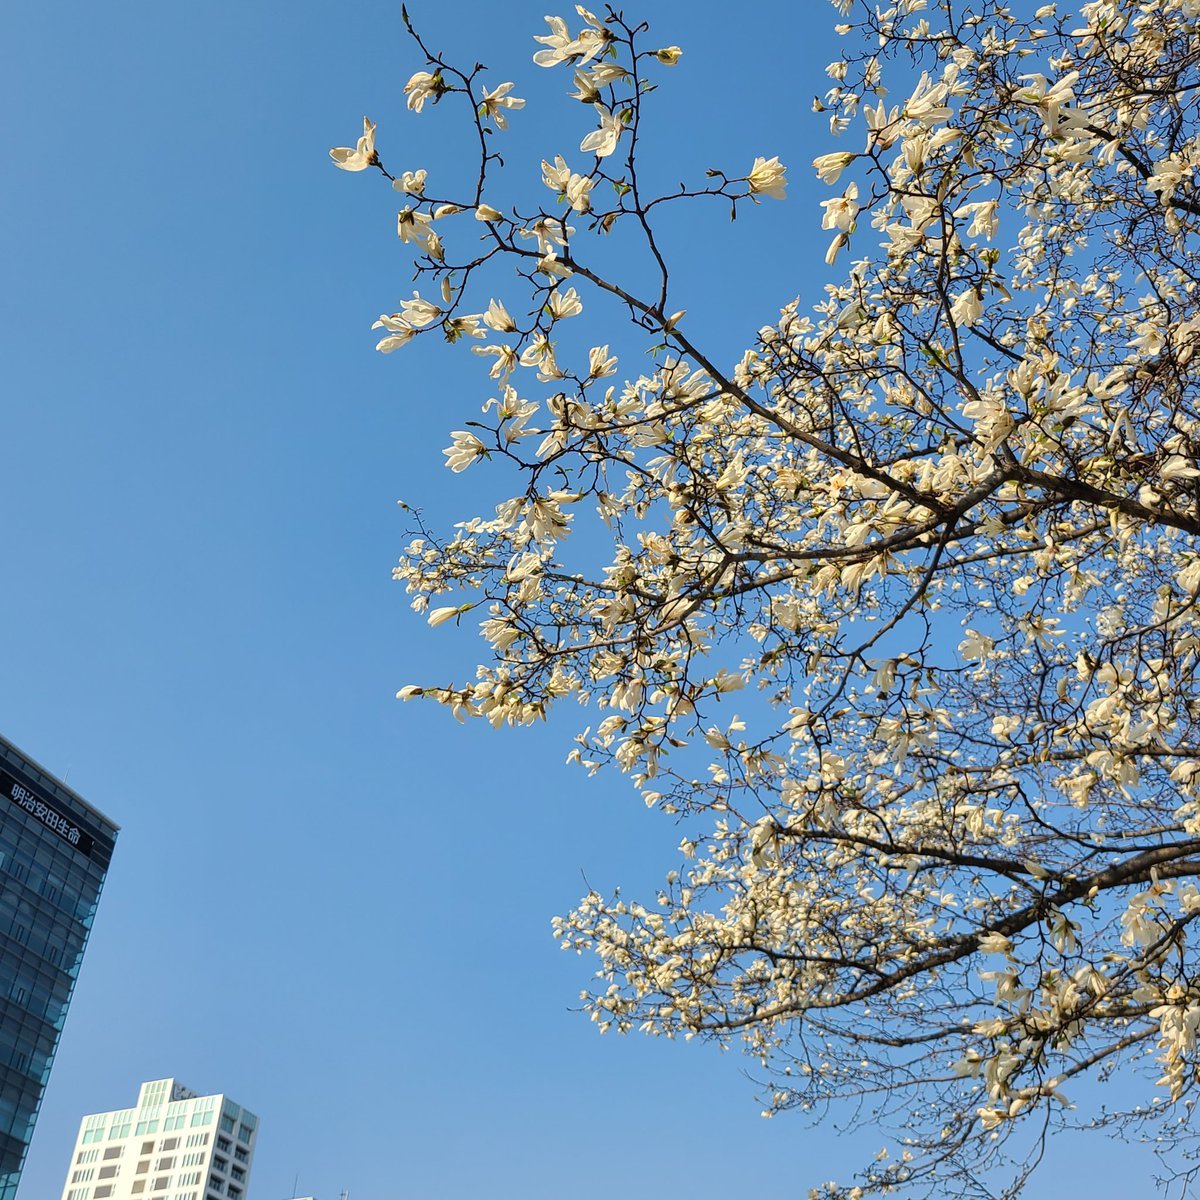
(54, 853)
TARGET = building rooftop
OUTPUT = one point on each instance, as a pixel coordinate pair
(9, 751)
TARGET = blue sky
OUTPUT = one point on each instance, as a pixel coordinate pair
(330, 905)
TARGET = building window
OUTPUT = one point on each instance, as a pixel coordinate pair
(160, 1184)
(223, 1143)
(107, 1172)
(245, 1133)
(102, 1192)
(169, 1143)
(221, 1164)
(147, 1147)
(165, 1164)
(139, 1185)
(143, 1167)
(241, 1154)
(113, 1151)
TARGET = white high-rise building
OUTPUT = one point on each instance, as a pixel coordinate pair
(174, 1145)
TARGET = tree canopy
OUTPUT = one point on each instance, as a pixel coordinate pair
(937, 530)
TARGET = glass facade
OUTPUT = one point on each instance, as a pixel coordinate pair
(54, 853)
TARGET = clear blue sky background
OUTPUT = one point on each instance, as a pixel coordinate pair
(332, 906)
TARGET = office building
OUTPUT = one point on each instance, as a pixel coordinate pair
(174, 1145)
(54, 853)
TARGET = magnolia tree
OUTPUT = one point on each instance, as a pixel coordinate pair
(939, 530)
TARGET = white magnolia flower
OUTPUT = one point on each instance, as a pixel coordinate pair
(465, 326)
(830, 166)
(1177, 467)
(586, 89)
(579, 193)
(927, 103)
(881, 124)
(603, 141)
(549, 264)
(400, 333)
(412, 183)
(464, 450)
(485, 212)
(976, 646)
(1167, 176)
(764, 841)
(590, 80)
(419, 312)
(668, 55)
(549, 231)
(834, 246)
(576, 189)
(395, 322)
(413, 226)
(768, 177)
(601, 363)
(994, 943)
(984, 222)
(540, 354)
(497, 318)
(556, 175)
(559, 43)
(967, 308)
(993, 421)
(605, 74)
(494, 103)
(362, 156)
(564, 304)
(1050, 98)
(421, 86)
(505, 356)
(840, 213)
(562, 47)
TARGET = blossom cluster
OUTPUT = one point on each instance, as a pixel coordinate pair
(897, 611)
